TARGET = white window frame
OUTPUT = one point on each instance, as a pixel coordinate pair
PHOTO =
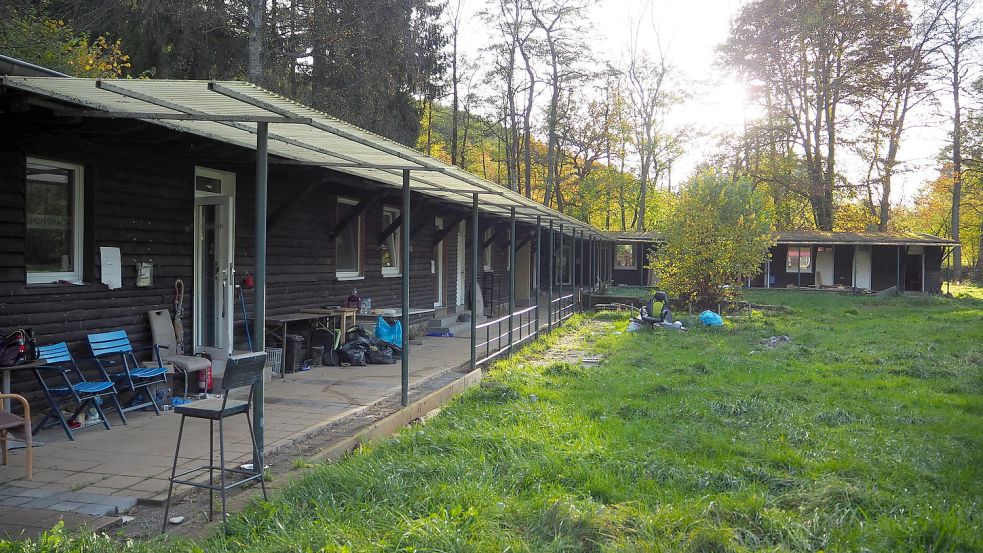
(397, 241)
(78, 227)
(489, 233)
(798, 269)
(359, 246)
(634, 257)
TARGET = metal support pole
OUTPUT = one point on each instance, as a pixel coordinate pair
(549, 285)
(898, 285)
(563, 265)
(582, 278)
(511, 273)
(573, 262)
(259, 305)
(404, 233)
(539, 268)
(590, 263)
(474, 280)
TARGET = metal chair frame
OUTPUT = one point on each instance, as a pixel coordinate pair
(112, 350)
(235, 377)
(81, 393)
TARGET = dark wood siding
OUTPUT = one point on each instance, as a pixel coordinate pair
(140, 197)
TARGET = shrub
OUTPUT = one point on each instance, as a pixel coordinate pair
(717, 235)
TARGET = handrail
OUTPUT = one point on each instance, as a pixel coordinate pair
(563, 307)
(506, 317)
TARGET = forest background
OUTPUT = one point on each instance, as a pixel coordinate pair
(830, 93)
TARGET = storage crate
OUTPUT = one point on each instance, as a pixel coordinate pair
(274, 360)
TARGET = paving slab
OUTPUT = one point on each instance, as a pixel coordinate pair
(132, 463)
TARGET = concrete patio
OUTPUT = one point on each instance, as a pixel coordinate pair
(132, 463)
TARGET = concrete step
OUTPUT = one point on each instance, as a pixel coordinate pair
(443, 321)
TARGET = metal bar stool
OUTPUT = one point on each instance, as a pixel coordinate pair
(240, 371)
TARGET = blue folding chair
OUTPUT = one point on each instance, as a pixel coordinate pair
(65, 391)
(114, 353)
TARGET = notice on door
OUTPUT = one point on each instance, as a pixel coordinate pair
(111, 267)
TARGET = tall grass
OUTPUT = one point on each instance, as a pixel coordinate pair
(863, 433)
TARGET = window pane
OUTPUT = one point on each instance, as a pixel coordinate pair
(347, 243)
(390, 247)
(625, 255)
(50, 225)
(798, 259)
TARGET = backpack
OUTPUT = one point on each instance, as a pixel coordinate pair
(17, 347)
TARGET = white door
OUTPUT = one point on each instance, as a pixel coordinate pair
(824, 266)
(214, 269)
(437, 267)
(461, 265)
(861, 268)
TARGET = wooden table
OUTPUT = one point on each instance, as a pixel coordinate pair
(282, 321)
(342, 313)
(6, 377)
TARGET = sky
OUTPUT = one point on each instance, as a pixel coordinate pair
(689, 32)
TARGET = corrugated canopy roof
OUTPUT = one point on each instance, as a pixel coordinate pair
(873, 238)
(636, 237)
(229, 111)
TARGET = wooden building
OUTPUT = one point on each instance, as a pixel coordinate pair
(632, 256)
(856, 260)
(171, 176)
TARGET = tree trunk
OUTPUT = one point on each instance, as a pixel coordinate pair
(257, 12)
(957, 161)
(527, 124)
(454, 101)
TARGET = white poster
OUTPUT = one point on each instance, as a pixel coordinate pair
(111, 267)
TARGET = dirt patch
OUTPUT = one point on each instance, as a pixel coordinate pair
(572, 347)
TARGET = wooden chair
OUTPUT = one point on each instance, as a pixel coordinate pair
(9, 421)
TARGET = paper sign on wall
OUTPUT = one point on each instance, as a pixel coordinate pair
(111, 267)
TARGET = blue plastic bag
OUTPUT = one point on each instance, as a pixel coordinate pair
(709, 318)
(392, 333)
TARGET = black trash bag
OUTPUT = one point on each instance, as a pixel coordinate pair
(352, 357)
(330, 358)
(357, 332)
(396, 349)
(353, 352)
(381, 356)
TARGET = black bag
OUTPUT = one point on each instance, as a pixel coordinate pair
(357, 332)
(353, 357)
(13, 349)
(382, 356)
(330, 358)
(353, 352)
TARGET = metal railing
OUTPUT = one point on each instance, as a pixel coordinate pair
(562, 308)
(523, 328)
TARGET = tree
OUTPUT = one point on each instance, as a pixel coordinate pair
(812, 60)
(647, 96)
(706, 258)
(900, 89)
(961, 33)
(257, 16)
(34, 37)
(559, 23)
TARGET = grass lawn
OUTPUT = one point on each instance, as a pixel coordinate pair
(865, 433)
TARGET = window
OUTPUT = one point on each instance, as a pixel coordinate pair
(799, 259)
(390, 247)
(489, 233)
(348, 243)
(54, 222)
(624, 257)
